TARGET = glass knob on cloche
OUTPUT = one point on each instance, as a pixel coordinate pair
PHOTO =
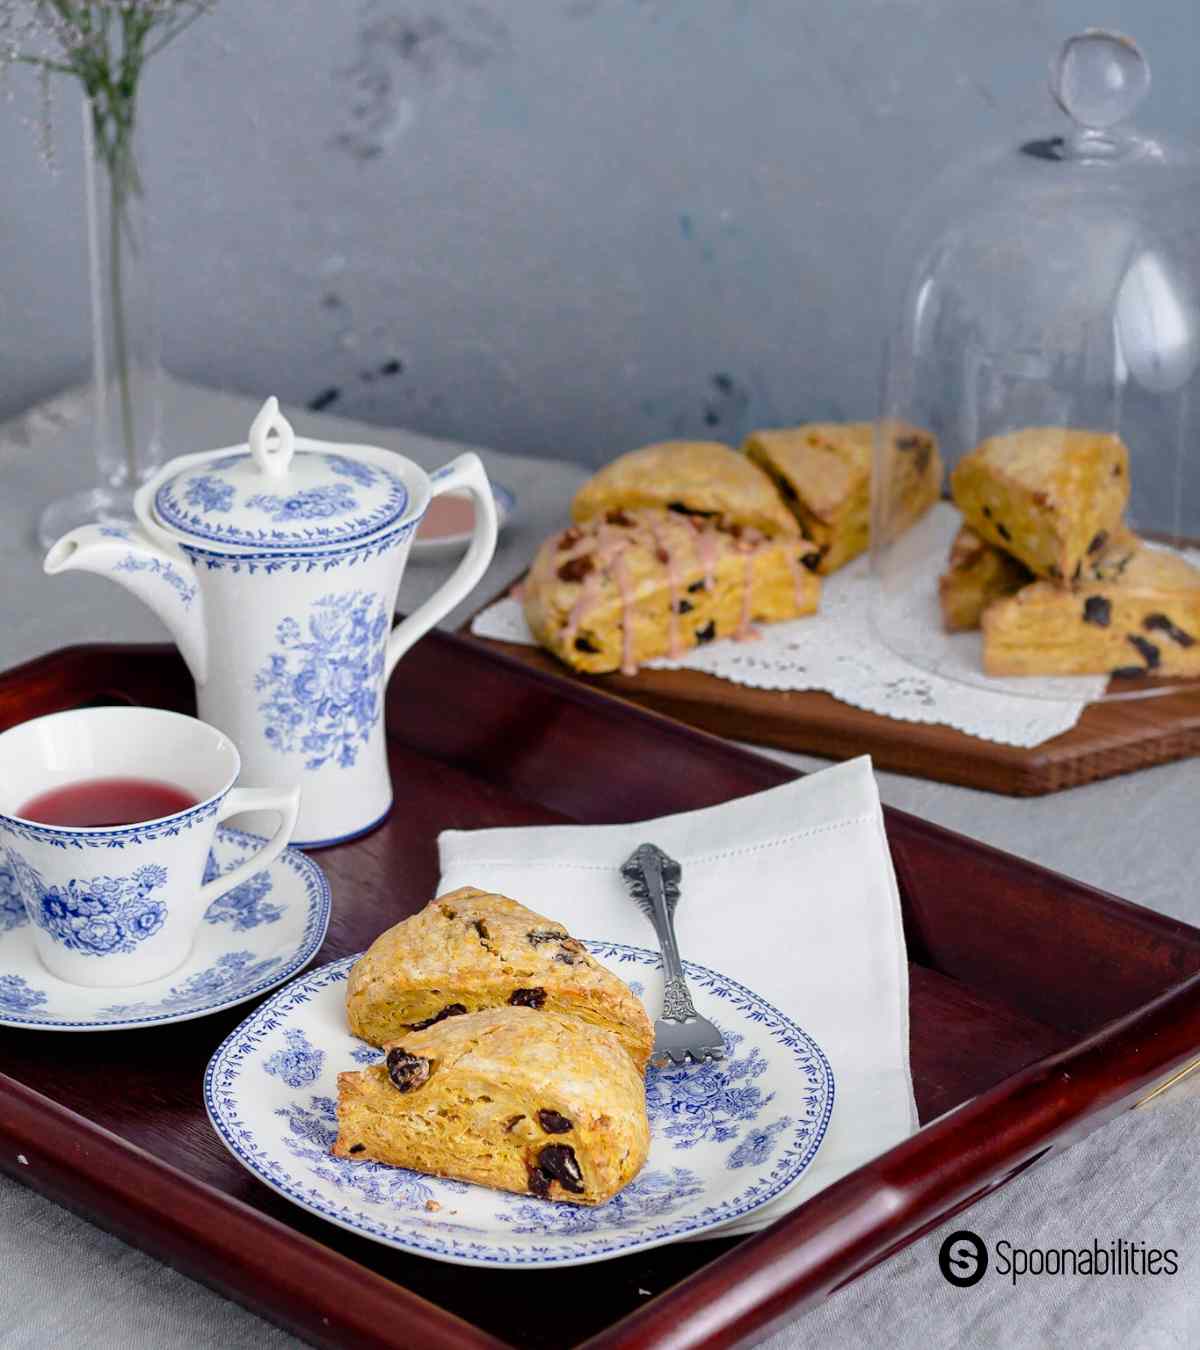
(1045, 332)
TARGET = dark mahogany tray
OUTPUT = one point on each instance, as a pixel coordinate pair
(1045, 1005)
(1109, 738)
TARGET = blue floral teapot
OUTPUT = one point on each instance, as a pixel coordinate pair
(275, 565)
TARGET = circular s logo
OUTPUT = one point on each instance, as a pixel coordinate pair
(963, 1258)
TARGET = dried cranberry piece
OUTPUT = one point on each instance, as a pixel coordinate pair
(700, 585)
(684, 607)
(575, 569)
(407, 1071)
(527, 998)
(569, 537)
(1097, 610)
(553, 1123)
(585, 644)
(539, 1183)
(358, 1148)
(1098, 542)
(1146, 649)
(662, 555)
(680, 509)
(708, 632)
(1128, 672)
(1162, 624)
(813, 560)
(536, 937)
(481, 929)
(1002, 531)
(450, 1010)
(558, 1162)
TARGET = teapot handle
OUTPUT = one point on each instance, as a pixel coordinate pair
(466, 473)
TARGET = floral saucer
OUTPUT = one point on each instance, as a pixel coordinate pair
(726, 1137)
(443, 546)
(252, 938)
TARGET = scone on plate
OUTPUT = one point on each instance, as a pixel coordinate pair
(1047, 495)
(1140, 616)
(976, 574)
(823, 470)
(699, 478)
(471, 950)
(522, 1100)
(635, 584)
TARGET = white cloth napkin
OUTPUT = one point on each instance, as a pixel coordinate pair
(789, 891)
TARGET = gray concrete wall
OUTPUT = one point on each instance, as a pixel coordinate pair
(555, 226)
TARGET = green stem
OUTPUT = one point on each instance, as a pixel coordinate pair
(116, 224)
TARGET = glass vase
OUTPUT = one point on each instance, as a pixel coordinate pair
(126, 383)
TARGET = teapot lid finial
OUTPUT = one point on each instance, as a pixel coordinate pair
(272, 457)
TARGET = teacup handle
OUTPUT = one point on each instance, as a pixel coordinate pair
(465, 472)
(285, 801)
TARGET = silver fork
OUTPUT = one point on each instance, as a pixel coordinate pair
(680, 1034)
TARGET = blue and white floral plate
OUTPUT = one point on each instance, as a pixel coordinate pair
(252, 938)
(726, 1137)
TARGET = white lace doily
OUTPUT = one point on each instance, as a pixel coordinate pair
(836, 650)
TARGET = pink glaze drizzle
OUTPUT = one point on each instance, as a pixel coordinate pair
(674, 646)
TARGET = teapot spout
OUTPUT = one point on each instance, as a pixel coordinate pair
(166, 581)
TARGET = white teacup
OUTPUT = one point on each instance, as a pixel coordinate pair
(122, 905)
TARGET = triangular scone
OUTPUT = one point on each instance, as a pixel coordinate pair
(1140, 616)
(976, 574)
(469, 950)
(700, 478)
(823, 470)
(639, 583)
(1045, 495)
(533, 1102)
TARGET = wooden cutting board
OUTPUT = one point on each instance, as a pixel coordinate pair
(1109, 738)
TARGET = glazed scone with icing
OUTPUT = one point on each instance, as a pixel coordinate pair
(470, 950)
(699, 478)
(1140, 616)
(1045, 495)
(976, 574)
(823, 471)
(620, 590)
(534, 1102)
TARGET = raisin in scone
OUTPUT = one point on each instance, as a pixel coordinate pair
(823, 470)
(1045, 495)
(470, 950)
(976, 574)
(1140, 616)
(613, 593)
(700, 478)
(526, 1101)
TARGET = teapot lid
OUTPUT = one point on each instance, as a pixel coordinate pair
(273, 495)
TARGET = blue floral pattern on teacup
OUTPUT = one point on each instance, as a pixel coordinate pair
(316, 503)
(96, 916)
(298, 1063)
(208, 493)
(12, 906)
(16, 996)
(323, 688)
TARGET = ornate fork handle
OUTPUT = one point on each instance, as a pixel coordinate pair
(654, 883)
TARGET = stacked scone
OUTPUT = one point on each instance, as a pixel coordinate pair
(676, 544)
(1046, 567)
(512, 1058)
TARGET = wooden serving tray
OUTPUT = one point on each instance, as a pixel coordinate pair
(1042, 1004)
(1109, 738)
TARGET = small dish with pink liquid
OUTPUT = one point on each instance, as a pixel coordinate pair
(446, 526)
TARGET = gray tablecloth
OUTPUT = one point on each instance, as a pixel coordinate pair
(66, 1283)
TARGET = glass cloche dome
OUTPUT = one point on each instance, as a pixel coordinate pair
(1046, 345)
